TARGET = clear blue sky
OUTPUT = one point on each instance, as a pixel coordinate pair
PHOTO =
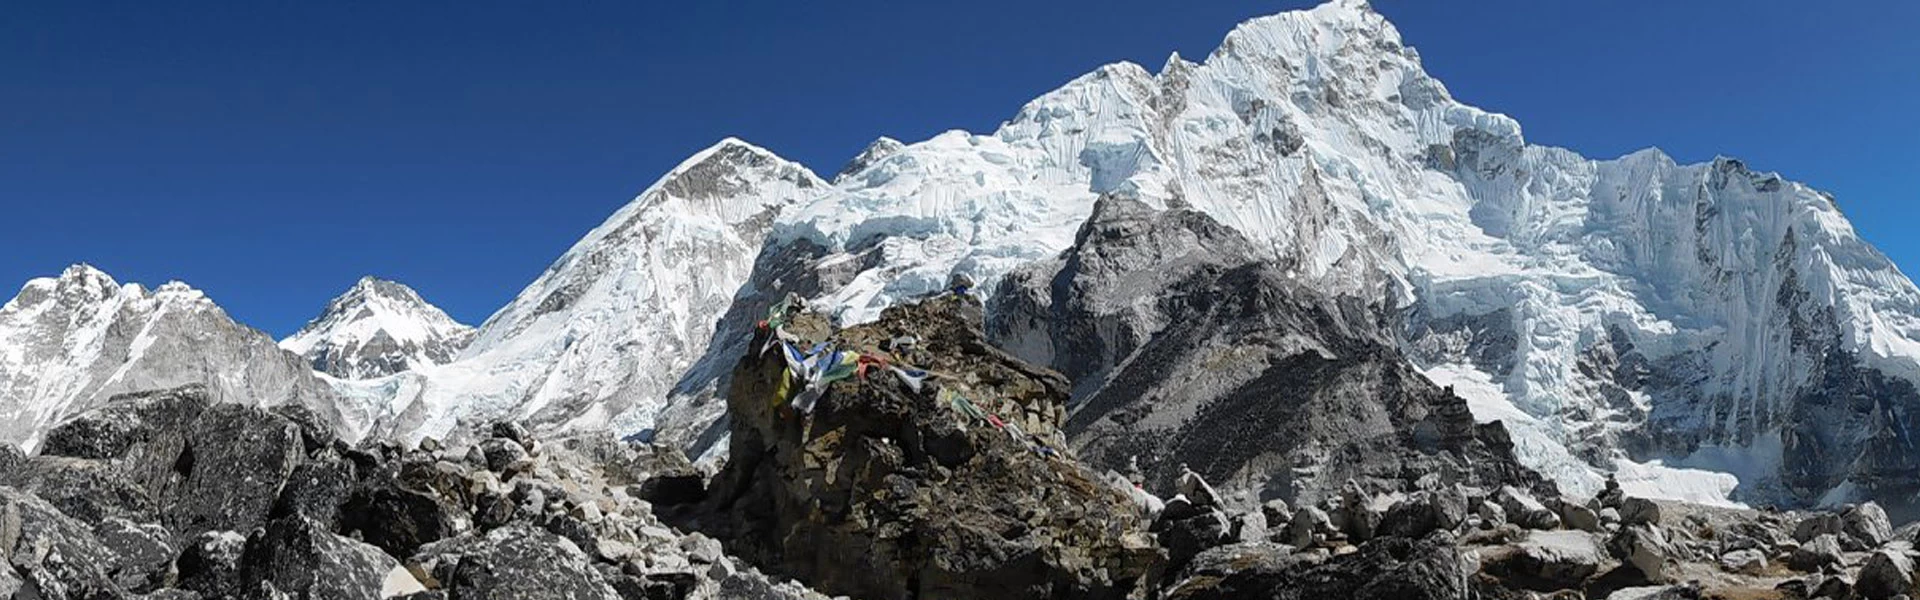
(272, 152)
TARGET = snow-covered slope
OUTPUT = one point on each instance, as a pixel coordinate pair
(375, 329)
(605, 334)
(68, 343)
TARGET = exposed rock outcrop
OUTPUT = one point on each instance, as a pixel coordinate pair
(961, 488)
(1186, 346)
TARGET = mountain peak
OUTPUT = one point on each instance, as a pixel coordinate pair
(377, 328)
(873, 153)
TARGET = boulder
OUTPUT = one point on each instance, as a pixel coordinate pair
(1413, 517)
(1817, 553)
(1643, 547)
(301, 558)
(1579, 517)
(52, 553)
(512, 562)
(140, 426)
(1249, 526)
(400, 520)
(10, 584)
(1817, 525)
(1548, 560)
(1278, 514)
(209, 564)
(1387, 568)
(316, 489)
(511, 430)
(1886, 574)
(1308, 526)
(1359, 518)
(1522, 509)
(1745, 562)
(1491, 515)
(236, 460)
(85, 489)
(1639, 511)
(505, 455)
(145, 551)
(1186, 537)
(1196, 489)
(1868, 524)
(1838, 587)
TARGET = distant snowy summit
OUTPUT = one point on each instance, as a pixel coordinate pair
(378, 328)
(68, 343)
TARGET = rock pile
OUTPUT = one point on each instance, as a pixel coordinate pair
(166, 495)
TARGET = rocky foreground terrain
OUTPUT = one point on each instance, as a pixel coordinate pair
(934, 468)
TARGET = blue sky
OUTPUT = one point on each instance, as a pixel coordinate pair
(270, 153)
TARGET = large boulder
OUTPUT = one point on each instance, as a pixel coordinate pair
(959, 486)
(1522, 509)
(145, 551)
(55, 556)
(1548, 560)
(1816, 525)
(517, 562)
(1886, 574)
(1816, 554)
(1868, 524)
(1308, 526)
(1645, 548)
(1639, 511)
(305, 561)
(1388, 568)
(1746, 561)
(209, 564)
(236, 460)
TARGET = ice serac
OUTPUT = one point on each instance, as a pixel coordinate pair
(378, 328)
(602, 338)
(1706, 331)
(69, 343)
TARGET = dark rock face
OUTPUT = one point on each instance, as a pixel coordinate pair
(234, 465)
(302, 559)
(1185, 348)
(887, 492)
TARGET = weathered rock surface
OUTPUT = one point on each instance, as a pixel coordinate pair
(885, 491)
(1185, 346)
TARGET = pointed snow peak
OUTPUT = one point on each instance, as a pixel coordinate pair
(732, 180)
(1323, 31)
(874, 152)
(376, 328)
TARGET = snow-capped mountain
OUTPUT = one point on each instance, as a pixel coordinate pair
(378, 328)
(1703, 330)
(604, 336)
(68, 343)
